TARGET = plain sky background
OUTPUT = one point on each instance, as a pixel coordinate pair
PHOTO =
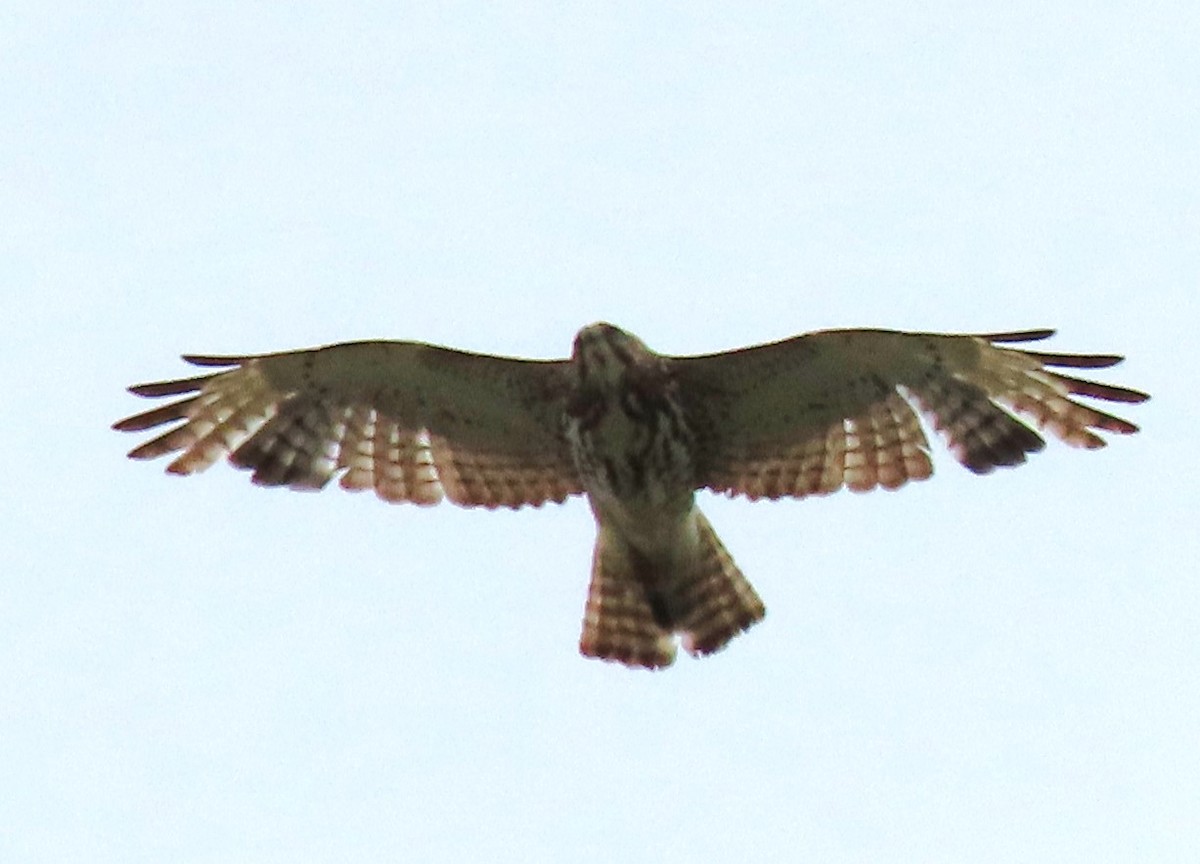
(999, 669)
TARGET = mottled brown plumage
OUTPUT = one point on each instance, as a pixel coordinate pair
(637, 433)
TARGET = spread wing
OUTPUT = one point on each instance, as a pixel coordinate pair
(839, 408)
(413, 422)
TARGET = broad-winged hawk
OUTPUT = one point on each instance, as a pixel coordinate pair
(637, 433)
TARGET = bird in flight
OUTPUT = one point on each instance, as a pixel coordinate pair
(635, 432)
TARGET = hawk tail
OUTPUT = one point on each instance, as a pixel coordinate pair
(635, 607)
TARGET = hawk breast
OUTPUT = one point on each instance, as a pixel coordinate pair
(631, 442)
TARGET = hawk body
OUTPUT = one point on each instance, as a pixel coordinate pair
(658, 567)
(635, 432)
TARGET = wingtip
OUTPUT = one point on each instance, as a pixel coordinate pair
(1119, 426)
(142, 453)
(1020, 335)
(171, 388)
(213, 359)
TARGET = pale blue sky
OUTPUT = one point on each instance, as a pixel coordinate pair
(991, 670)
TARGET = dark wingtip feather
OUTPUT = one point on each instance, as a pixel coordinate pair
(214, 360)
(1019, 335)
(170, 388)
(149, 450)
(156, 416)
(1096, 390)
(1076, 361)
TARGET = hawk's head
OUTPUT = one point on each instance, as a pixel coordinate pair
(603, 353)
(615, 367)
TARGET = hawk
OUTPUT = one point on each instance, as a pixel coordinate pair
(635, 432)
